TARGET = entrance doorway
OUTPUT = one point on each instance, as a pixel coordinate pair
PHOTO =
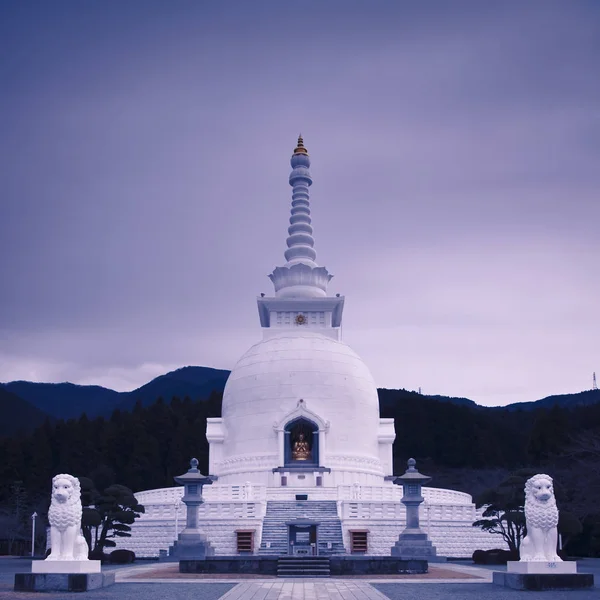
(303, 540)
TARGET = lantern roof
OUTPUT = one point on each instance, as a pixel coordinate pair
(193, 475)
(412, 475)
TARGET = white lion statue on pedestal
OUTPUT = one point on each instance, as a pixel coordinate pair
(65, 512)
(541, 516)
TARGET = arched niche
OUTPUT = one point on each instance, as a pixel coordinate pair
(319, 428)
(301, 432)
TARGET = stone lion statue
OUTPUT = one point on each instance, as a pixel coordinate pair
(541, 516)
(65, 512)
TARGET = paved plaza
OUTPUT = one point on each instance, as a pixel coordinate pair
(135, 583)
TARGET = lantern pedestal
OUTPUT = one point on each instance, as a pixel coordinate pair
(193, 546)
(412, 542)
(191, 543)
(414, 546)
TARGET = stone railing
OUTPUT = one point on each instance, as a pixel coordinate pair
(216, 492)
(374, 510)
(161, 511)
(211, 493)
(234, 509)
(394, 511)
(369, 492)
(394, 493)
(447, 512)
(160, 496)
(344, 493)
(231, 510)
(441, 496)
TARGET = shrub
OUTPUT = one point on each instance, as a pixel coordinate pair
(121, 557)
(98, 555)
(497, 556)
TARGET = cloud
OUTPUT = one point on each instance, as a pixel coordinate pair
(454, 147)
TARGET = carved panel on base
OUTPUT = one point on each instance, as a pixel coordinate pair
(515, 566)
(66, 566)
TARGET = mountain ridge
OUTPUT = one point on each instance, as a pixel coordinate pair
(31, 402)
(24, 416)
(584, 398)
(68, 400)
(65, 400)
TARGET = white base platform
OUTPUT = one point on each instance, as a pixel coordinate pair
(65, 566)
(530, 567)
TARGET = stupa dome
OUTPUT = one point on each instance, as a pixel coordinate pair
(337, 390)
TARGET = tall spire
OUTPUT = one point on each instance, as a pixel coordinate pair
(300, 241)
(300, 276)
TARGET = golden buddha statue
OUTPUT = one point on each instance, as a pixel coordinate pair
(300, 451)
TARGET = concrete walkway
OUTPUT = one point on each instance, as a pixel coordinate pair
(132, 584)
(299, 589)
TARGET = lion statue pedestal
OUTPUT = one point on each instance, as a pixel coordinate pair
(540, 567)
(69, 550)
(540, 545)
(67, 567)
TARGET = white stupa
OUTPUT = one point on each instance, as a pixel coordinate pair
(302, 459)
(301, 378)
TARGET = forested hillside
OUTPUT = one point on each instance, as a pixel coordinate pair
(149, 445)
(18, 414)
(464, 447)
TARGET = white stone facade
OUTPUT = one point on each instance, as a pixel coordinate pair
(446, 515)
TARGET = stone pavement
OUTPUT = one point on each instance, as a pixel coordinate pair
(304, 589)
(294, 589)
(487, 591)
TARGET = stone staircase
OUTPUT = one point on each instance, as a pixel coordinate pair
(275, 532)
(309, 566)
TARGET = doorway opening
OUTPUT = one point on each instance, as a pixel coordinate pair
(303, 540)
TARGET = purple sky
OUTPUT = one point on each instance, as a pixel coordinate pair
(455, 153)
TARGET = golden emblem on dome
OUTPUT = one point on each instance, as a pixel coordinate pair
(300, 319)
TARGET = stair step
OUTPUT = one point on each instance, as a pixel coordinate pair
(305, 560)
(299, 576)
(307, 572)
(303, 566)
(296, 566)
(279, 512)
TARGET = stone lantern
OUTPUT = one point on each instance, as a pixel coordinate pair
(191, 543)
(413, 542)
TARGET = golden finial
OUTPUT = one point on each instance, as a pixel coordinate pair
(300, 149)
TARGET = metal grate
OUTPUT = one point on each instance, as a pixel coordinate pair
(358, 541)
(245, 541)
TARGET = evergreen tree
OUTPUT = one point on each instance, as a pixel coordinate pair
(504, 511)
(107, 514)
(548, 434)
